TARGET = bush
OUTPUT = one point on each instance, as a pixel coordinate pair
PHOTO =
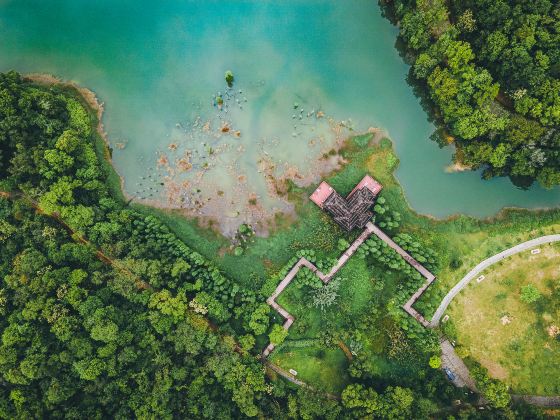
(435, 362)
(229, 78)
(530, 294)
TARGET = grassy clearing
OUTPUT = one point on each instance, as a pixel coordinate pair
(505, 334)
(324, 369)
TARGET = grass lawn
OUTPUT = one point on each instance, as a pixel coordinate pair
(508, 336)
(324, 369)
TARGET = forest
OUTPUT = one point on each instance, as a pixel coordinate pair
(105, 312)
(489, 73)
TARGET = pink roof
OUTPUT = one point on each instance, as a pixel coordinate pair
(370, 183)
(323, 191)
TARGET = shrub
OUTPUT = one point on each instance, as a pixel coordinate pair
(530, 294)
(326, 296)
(229, 78)
(435, 362)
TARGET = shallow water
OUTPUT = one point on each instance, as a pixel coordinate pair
(159, 66)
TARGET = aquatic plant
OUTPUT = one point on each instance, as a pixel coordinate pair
(229, 78)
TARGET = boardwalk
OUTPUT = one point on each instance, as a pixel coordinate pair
(415, 264)
(325, 278)
(418, 267)
(369, 230)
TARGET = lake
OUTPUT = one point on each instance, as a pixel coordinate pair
(307, 74)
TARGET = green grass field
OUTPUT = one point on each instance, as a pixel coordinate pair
(512, 338)
(324, 369)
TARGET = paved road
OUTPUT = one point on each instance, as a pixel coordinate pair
(450, 360)
(483, 266)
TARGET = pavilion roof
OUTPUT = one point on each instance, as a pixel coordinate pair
(352, 211)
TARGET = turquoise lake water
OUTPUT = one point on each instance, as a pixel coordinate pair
(159, 66)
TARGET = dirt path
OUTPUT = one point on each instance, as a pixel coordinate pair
(346, 350)
(538, 400)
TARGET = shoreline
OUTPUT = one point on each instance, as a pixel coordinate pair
(94, 104)
(89, 96)
(457, 167)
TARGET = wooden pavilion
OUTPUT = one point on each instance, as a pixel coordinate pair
(354, 210)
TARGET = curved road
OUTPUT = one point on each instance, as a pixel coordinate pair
(483, 266)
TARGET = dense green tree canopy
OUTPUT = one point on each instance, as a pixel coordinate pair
(491, 72)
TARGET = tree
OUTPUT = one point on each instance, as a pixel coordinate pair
(278, 334)
(229, 78)
(360, 400)
(491, 72)
(247, 342)
(260, 319)
(394, 403)
(493, 390)
(397, 402)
